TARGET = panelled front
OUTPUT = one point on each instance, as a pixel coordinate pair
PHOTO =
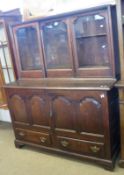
(75, 121)
(72, 117)
(29, 108)
(72, 111)
(78, 121)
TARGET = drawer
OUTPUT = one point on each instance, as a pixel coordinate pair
(81, 146)
(32, 136)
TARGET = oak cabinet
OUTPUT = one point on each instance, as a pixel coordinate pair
(72, 120)
(64, 99)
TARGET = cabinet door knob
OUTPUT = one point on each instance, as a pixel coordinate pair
(43, 139)
(95, 149)
(22, 134)
(64, 143)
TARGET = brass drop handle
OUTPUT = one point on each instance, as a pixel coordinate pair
(22, 134)
(43, 139)
(64, 143)
(95, 149)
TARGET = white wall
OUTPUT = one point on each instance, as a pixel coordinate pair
(38, 7)
(5, 115)
(10, 4)
(58, 5)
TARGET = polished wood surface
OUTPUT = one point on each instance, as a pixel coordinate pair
(65, 83)
(70, 106)
(77, 121)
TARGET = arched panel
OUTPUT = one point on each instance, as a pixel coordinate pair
(64, 113)
(19, 109)
(39, 111)
(90, 115)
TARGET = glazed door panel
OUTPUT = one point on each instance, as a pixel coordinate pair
(90, 33)
(57, 48)
(29, 60)
(18, 109)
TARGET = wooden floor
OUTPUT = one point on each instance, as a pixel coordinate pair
(30, 161)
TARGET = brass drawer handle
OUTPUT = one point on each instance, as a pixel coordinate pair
(43, 139)
(64, 143)
(22, 134)
(95, 149)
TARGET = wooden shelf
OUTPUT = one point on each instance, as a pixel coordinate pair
(88, 36)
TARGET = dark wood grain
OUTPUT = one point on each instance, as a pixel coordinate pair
(64, 107)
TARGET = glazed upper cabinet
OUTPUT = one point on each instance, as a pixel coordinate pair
(78, 44)
(29, 55)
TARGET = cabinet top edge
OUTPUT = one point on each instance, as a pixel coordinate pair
(65, 14)
(71, 84)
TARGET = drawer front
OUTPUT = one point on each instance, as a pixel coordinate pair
(81, 146)
(32, 136)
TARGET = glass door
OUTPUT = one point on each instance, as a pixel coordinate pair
(5, 58)
(28, 51)
(92, 45)
(7, 74)
(57, 49)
